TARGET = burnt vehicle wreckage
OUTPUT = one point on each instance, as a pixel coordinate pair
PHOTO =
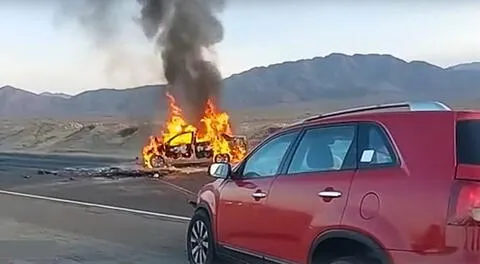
(193, 150)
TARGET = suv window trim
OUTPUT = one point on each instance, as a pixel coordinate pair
(291, 152)
(239, 171)
(387, 139)
(463, 137)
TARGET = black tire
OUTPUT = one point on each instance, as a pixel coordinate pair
(200, 241)
(158, 161)
(222, 158)
(350, 260)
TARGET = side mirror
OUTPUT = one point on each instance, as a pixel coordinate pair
(220, 170)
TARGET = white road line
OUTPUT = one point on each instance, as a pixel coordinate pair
(108, 207)
(177, 187)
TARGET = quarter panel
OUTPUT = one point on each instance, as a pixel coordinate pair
(208, 198)
(412, 197)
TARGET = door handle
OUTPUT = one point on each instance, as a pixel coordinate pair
(330, 194)
(259, 195)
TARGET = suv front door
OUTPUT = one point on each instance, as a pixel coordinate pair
(243, 196)
(311, 192)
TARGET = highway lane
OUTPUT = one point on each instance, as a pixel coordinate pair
(18, 172)
(55, 161)
(37, 231)
(15, 166)
(76, 234)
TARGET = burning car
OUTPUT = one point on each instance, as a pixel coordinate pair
(188, 146)
(212, 140)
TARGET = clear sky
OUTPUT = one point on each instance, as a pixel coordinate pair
(41, 52)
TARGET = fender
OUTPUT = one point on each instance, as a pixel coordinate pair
(380, 252)
(204, 205)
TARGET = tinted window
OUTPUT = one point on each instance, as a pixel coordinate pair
(376, 148)
(266, 160)
(468, 142)
(324, 149)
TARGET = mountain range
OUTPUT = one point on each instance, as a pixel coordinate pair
(333, 77)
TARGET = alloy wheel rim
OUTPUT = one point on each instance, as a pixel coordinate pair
(199, 242)
(158, 162)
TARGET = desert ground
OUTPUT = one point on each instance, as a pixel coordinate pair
(113, 136)
(54, 192)
(64, 201)
(125, 137)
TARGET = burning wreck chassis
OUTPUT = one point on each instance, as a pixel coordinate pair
(192, 150)
(211, 140)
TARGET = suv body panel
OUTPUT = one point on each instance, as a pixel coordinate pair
(380, 199)
(294, 198)
(240, 215)
(419, 179)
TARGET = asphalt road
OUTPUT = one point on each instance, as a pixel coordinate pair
(71, 226)
(36, 231)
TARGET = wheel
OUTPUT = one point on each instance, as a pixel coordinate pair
(200, 243)
(157, 161)
(222, 158)
(350, 260)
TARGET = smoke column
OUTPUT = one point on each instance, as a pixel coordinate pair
(184, 31)
(106, 24)
(97, 18)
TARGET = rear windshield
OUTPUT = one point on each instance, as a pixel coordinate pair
(468, 142)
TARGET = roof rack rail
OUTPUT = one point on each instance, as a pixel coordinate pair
(413, 106)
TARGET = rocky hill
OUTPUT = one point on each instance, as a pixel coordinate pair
(334, 77)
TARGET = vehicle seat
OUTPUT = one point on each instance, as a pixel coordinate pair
(320, 158)
(337, 162)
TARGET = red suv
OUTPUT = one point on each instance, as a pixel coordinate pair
(360, 186)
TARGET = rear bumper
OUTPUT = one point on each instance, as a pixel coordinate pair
(462, 246)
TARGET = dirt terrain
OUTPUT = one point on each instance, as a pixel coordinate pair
(105, 136)
(125, 137)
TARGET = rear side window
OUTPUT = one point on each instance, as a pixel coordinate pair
(468, 142)
(376, 149)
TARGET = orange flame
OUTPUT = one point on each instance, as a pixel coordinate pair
(216, 130)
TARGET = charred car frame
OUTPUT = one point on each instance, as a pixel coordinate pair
(194, 150)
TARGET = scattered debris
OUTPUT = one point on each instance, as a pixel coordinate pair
(43, 172)
(117, 172)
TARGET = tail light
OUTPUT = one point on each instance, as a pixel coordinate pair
(464, 209)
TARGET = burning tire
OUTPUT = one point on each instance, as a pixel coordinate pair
(222, 158)
(158, 161)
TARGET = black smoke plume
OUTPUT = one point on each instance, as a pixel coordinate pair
(184, 31)
(97, 18)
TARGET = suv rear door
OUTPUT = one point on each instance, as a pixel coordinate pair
(380, 186)
(310, 193)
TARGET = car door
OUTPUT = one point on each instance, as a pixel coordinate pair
(310, 194)
(244, 194)
(180, 146)
(376, 188)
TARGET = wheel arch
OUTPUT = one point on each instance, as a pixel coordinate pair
(204, 206)
(379, 251)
